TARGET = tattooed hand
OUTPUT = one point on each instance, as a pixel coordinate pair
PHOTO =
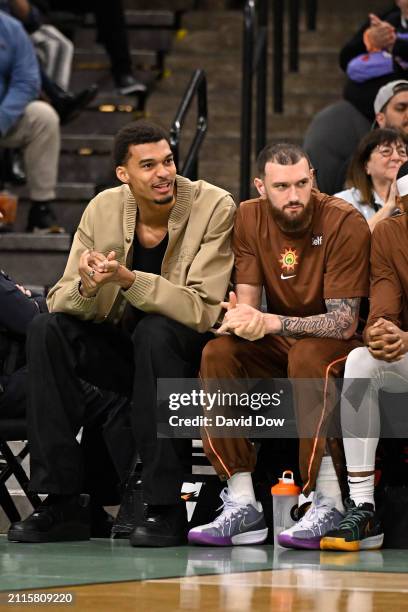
(340, 321)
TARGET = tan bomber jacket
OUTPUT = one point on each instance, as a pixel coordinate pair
(196, 267)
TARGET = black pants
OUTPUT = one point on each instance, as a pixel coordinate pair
(61, 350)
(107, 444)
(111, 28)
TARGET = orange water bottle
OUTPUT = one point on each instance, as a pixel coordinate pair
(285, 498)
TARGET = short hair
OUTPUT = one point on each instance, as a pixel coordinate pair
(134, 133)
(356, 174)
(283, 153)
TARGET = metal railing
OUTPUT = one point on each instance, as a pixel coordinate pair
(255, 61)
(197, 87)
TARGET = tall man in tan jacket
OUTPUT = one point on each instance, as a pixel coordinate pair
(149, 266)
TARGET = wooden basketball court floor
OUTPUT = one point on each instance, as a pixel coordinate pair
(110, 575)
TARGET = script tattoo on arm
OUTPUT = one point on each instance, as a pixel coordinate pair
(340, 321)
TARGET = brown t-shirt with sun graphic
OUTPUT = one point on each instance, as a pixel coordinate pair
(329, 260)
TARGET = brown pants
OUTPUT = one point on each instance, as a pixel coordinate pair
(279, 357)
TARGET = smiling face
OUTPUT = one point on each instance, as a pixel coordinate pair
(150, 172)
(385, 161)
(288, 189)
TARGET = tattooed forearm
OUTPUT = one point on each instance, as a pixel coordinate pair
(339, 321)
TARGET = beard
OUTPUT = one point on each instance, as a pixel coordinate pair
(165, 200)
(293, 223)
(404, 202)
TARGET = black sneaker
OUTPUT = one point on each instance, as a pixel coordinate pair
(131, 511)
(42, 219)
(360, 529)
(55, 521)
(69, 105)
(162, 526)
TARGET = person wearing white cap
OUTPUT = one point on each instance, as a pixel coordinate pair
(336, 130)
(372, 172)
(383, 365)
(391, 105)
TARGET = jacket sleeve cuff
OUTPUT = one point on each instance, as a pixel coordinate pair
(84, 304)
(142, 285)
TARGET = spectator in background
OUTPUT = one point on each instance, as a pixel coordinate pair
(388, 36)
(27, 122)
(66, 103)
(335, 132)
(372, 173)
(111, 32)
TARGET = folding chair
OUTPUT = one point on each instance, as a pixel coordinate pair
(13, 430)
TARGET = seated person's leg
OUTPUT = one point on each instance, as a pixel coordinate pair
(38, 133)
(360, 417)
(61, 348)
(315, 400)
(234, 458)
(163, 348)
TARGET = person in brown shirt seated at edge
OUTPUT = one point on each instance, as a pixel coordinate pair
(384, 363)
(310, 252)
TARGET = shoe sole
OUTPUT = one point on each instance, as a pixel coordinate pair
(68, 534)
(372, 543)
(47, 231)
(299, 543)
(249, 537)
(125, 91)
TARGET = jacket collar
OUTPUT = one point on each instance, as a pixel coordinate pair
(180, 210)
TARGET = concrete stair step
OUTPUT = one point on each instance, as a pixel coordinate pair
(142, 59)
(69, 205)
(99, 72)
(94, 122)
(34, 259)
(68, 213)
(311, 61)
(205, 19)
(155, 40)
(148, 18)
(158, 5)
(224, 110)
(75, 191)
(93, 168)
(229, 38)
(229, 77)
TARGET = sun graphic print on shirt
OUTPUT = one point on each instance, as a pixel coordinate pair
(289, 259)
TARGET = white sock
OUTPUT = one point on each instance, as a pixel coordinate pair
(241, 489)
(327, 483)
(305, 499)
(362, 489)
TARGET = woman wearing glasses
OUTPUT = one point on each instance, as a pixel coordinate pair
(372, 173)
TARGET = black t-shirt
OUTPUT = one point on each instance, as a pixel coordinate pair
(145, 260)
(149, 259)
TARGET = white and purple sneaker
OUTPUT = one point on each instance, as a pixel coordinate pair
(236, 524)
(321, 517)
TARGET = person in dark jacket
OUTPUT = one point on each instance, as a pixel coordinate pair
(387, 32)
(107, 442)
